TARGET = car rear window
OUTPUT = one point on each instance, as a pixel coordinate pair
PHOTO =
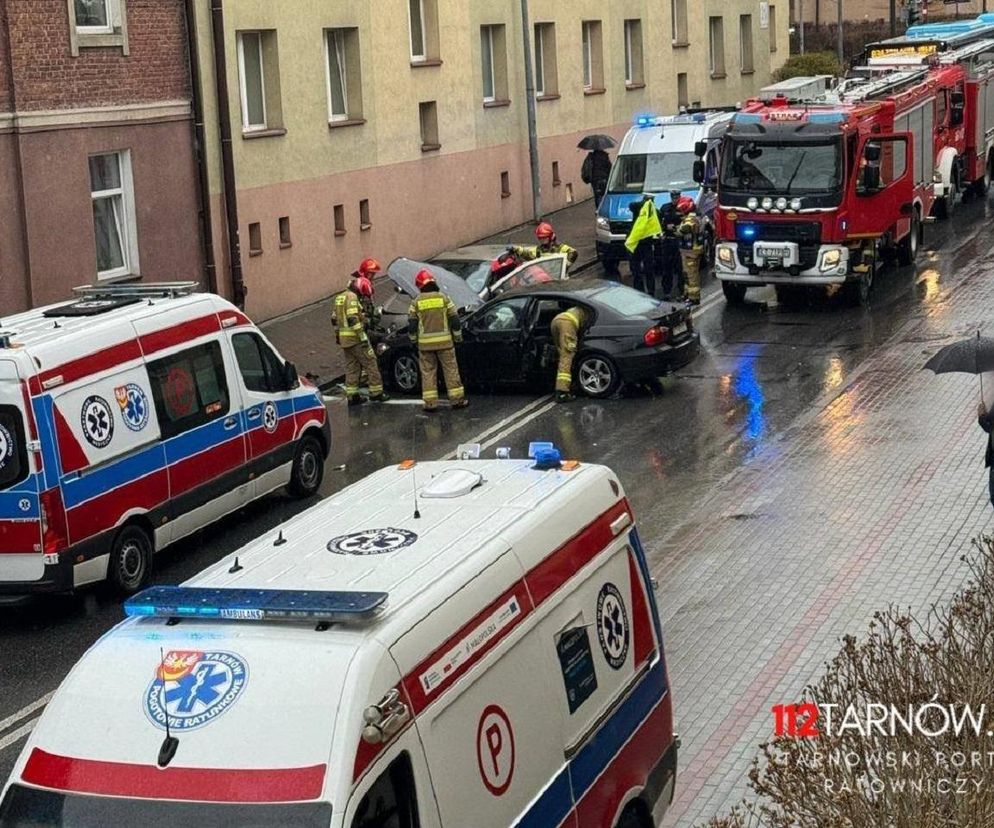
(40, 809)
(13, 451)
(627, 301)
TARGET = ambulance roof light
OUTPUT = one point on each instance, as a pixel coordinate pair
(534, 448)
(254, 604)
(468, 451)
(545, 455)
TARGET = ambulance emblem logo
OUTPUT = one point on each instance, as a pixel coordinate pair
(194, 687)
(270, 417)
(372, 542)
(97, 421)
(612, 626)
(6, 446)
(133, 402)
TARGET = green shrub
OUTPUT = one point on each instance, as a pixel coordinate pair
(812, 63)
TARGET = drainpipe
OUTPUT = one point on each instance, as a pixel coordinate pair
(238, 290)
(200, 148)
(530, 105)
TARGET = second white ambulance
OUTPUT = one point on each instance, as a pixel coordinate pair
(464, 644)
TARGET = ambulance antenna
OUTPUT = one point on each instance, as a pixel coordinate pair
(167, 750)
(414, 468)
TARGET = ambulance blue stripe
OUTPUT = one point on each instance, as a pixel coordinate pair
(10, 501)
(552, 807)
(45, 423)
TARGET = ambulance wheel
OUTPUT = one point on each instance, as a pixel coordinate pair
(597, 375)
(907, 248)
(735, 293)
(308, 467)
(633, 817)
(130, 559)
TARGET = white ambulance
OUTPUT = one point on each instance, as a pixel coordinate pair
(469, 644)
(132, 416)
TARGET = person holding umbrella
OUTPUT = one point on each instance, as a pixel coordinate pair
(596, 167)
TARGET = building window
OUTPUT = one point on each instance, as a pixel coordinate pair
(593, 56)
(364, 220)
(114, 227)
(546, 70)
(634, 71)
(428, 113)
(678, 12)
(772, 17)
(423, 17)
(493, 61)
(258, 81)
(556, 180)
(343, 75)
(716, 47)
(745, 43)
(339, 216)
(255, 239)
(285, 240)
(505, 184)
(96, 23)
(682, 92)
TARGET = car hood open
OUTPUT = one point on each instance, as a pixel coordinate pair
(402, 272)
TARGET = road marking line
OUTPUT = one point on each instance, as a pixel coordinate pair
(24, 711)
(483, 435)
(511, 429)
(15, 736)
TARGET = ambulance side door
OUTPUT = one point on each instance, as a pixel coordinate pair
(396, 793)
(267, 409)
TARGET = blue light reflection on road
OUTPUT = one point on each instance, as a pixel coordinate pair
(747, 388)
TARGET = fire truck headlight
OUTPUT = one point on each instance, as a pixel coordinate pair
(830, 260)
(781, 204)
(726, 258)
(752, 203)
(795, 204)
(767, 203)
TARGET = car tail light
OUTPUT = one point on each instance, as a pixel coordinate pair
(656, 335)
(54, 535)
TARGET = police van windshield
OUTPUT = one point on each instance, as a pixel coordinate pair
(40, 809)
(658, 172)
(781, 169)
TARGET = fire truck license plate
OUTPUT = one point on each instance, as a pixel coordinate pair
(765, 252)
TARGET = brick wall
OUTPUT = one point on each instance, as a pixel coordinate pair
(5, 105)
(47, 76)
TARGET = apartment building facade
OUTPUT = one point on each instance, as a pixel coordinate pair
(826, 11)
(98, 181)
(400, 127)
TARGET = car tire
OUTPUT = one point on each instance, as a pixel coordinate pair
(130, 564)
(597, 375)
(735, 292)
(307, 471)
(405, 372)
(907, 248)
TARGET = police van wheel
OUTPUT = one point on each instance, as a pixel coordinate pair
(130, 559)
(308, 468)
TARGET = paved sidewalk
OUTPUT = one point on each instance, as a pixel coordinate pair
(305, 336)
(868, 500)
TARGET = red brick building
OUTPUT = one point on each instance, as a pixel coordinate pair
(98, 177)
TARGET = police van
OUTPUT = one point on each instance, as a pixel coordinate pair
(132, 416)
(469, 644)
(656, 156)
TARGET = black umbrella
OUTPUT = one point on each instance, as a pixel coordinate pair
(596, 142)
(968, 356)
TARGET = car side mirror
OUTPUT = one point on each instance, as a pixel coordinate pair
(290, 377)
(699, 171)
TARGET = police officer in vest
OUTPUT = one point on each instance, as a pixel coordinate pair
(435, 328)
(566, 329)
(350, 320)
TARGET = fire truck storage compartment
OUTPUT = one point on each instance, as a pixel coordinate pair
(919, 123)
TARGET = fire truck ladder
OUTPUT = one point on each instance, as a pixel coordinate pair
(861, 89)
(972, 55)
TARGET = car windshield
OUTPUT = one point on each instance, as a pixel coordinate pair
(473, 271)
(781, 169)
(658, 172)
(40, 808)
(627, 301)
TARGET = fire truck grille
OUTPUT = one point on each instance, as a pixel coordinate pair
(806, 234)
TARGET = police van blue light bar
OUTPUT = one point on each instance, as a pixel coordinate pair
(254, 604)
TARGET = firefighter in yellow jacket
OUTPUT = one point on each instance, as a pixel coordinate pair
(691, 249)
(435, 328)
(548, 245)
(350, 322)
(566, 328)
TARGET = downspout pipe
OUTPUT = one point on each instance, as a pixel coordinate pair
(200, 150)
(238, 290)
(533, 155)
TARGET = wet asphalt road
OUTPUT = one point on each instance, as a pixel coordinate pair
(762, 365)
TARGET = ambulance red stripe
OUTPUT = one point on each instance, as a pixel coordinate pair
(142, 495)
(18, 536)
(178, 334)
(76, 369)
(93, 776)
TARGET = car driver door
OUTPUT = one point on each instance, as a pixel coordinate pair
(538, 271)
(493, 340)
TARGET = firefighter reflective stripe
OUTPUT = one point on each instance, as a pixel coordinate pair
(348, 319)
(436, 317)
(576, 315)
(429, 362)
(645, 227)
(529, 252)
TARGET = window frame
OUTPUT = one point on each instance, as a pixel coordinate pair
(746, 39)
(539, 34)
(772, 24)
(127, 227)
(243, 84)
(587, 44)
(679, 23)
(629, 56)
(168, 427)
(114, 34)
(487, 35)
(417, 57)
(633, 78)
(110, 6)
(338, 35)
(714, 70)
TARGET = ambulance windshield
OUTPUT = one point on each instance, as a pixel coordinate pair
(40, 808)
(782, 169)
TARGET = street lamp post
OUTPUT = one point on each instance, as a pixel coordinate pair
(800, 22)
(530, 108)
(841, 41)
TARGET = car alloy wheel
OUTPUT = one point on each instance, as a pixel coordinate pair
(597, 375)
(406, 373)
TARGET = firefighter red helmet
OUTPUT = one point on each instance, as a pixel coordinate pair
(363, 286)
(368, 267)
(423, 278)
(544, 232)
(685, 205)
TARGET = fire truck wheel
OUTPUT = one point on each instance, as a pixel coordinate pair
(945, 207)
(983, 184)
(130, 559)
(308, 468)
(735, 293)
(907, 248)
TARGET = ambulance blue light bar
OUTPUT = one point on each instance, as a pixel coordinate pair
(254, 604)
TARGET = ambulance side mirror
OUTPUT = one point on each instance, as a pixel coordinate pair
(290, 377)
